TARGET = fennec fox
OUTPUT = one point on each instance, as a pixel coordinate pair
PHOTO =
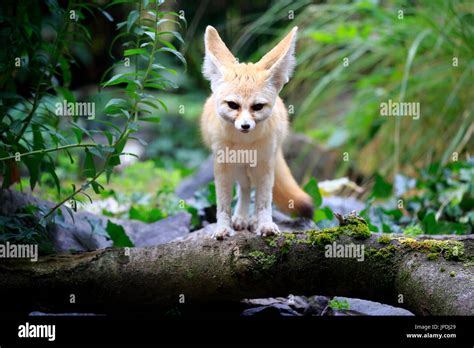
(245, 119)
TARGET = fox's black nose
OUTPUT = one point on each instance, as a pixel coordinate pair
(245, 126)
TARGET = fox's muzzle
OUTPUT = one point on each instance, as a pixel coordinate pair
(244, 124)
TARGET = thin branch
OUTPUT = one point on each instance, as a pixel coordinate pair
(71, 146)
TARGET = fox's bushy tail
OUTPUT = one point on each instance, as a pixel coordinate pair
(287, 195)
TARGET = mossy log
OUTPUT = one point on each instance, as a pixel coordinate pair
(425, 276)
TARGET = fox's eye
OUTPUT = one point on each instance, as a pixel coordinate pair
(257, 107)
(233, 105)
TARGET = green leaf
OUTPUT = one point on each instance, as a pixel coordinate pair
(115, 105)
(381, 189)
(430, 225)
(89, 165)
(135, 51)
(176, 53)
(195, 220)
(118, 79)
(97, 187)
(96, 151)
(49, 167)
(33, 164)
(66, 70)
(312, 189)
(132, 18)
(211, 197)
(146, 215)
(38, 141)
(174, 33)
(154, 119)
(118, 236)
(336, 304)
(323, 214)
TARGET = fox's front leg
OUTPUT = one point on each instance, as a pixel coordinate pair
(263, 201)
(224, 179)
(241, 215)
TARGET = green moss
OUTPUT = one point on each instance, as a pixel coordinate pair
(451, 250)
(324, 237)
(442, 269)
(350, 225)
(470, 262)
(189, 274)
(452, 274)
(289, 240)
(262, 259)
(282, 242)
(432, 256)
(381, 253)
(272, 241)
(360, 230)
(384, 239)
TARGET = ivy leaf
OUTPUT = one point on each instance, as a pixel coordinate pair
(211, 197)
(312, 189)
(323, 214)
(381, 189)
(117, 235)
(145, 215)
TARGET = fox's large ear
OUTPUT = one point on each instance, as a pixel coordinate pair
(280, 61)
(217, 56)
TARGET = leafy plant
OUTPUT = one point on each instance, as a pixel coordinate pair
(440, 201)
(31, 133)
(118, 235)
(319, 213)
(336, 304)
(24, 228)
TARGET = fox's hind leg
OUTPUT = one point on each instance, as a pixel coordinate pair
(241, 215)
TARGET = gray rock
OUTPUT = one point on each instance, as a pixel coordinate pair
(342, 313)
(81, 236)
(87, 231)
(43, 314)
(286, 223)
(160, 232)
(202, 177)
(275, 310)
(343, 205)
(286, 306)
(374, 308)
(317, 306)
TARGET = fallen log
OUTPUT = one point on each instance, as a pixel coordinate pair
(425, 276)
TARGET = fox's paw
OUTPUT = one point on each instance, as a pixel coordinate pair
(222, 231)
(252, 225)
(267, 229)
(239, 223)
